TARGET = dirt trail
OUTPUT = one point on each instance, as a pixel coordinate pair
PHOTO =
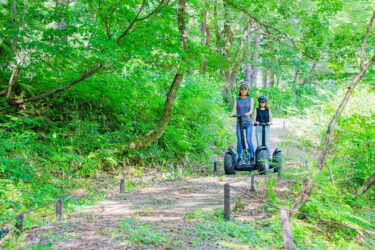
(165, 205)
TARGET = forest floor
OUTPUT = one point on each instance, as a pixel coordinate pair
(168, 214)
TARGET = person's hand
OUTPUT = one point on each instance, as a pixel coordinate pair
(256, 123)
(248, 114)
(230, 116)
(270, 123)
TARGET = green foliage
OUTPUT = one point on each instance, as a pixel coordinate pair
(143, 234)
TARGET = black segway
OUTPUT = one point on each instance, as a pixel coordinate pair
(262, 163)
(231, 164)
(261, 153)
(262, 159)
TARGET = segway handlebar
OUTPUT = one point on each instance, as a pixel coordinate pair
(261, 124)
(237, 116)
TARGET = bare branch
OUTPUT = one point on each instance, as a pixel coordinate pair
(364, 44)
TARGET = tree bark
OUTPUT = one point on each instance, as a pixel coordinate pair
(306, 191)
(60, 89)
(248, 58)
(217, 29)
(205, 25)
(155, 134)
(254, 64)
(205, 32)
(239, 53)
(271, 81)
(370, 181)
(264, 78)
(228, 39)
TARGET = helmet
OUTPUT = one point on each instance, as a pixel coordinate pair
(262, 98)
(244, 84)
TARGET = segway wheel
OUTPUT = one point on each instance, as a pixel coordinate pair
(277, 160)
(263, 163)
(228, 164)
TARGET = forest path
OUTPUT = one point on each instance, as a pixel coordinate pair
(161, 215)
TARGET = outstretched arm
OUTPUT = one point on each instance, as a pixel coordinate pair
(255, 116)
(251, 107)
(270, 122)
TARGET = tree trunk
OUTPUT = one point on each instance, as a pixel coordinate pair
(310, 76)
(271, 82)
(237, 57)
(228, 39)
(205, 25)
(248, 58)
(155, 134)
(370, 181)
(254, 66)
(205, 33)
(306, 191)
(264, 78)
(217, 30)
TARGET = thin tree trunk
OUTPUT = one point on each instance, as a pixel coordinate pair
(264, 78)
(217, 30)
(60, 89)
(370, 181)
(271, 81)
(205, 32)
(228, 39)
(308, 78)
(155, 134)
(248, 58)
(238, 54)
(205, 25)
(254, 65)
(306, 191)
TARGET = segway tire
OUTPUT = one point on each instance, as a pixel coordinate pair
(277, 160)
(228, 164)
(262, 162)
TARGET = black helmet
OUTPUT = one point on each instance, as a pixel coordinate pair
(262, 98)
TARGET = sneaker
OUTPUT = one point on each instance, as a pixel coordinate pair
(239, 161)
(252, 160)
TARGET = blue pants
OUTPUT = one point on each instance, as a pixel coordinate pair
(258, 134)
(248, 135)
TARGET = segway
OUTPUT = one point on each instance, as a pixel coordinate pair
(263, 159)
(231, 164)
(261, 153)
(262, 163)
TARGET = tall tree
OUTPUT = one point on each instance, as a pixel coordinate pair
(255, 59)
(156, 133)
(363, 67)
